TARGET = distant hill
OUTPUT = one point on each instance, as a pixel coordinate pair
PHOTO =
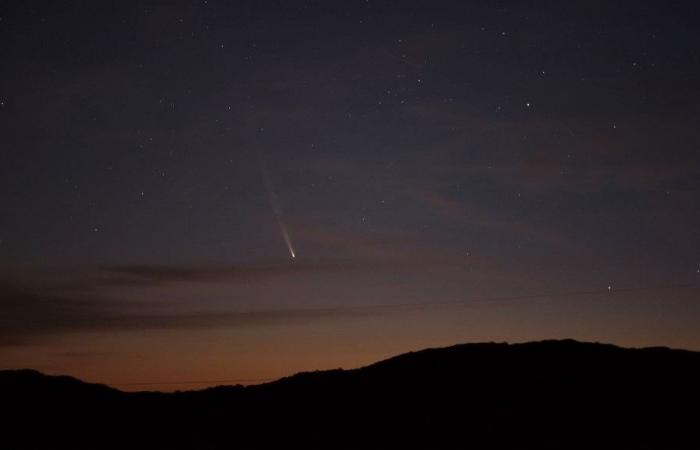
(540, 395)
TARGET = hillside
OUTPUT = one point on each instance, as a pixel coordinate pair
(550, 394)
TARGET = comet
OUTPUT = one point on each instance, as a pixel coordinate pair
(275, 204)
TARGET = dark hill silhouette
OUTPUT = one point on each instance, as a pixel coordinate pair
(541, 395)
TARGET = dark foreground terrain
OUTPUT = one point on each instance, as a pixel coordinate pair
(542, 395)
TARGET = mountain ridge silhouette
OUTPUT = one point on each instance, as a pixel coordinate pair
(546, 394)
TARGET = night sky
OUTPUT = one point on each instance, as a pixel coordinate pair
(202, 191)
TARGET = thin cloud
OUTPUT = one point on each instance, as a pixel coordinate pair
(142, 274)
(27, 314)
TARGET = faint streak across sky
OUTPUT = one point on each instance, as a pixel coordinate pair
(275, 204)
